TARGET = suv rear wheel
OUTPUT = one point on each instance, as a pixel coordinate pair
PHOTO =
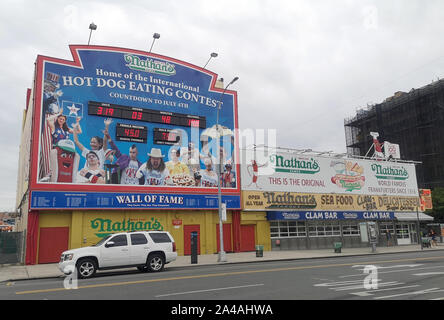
(86, 268)
(155, 262)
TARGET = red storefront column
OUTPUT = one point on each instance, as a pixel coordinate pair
(32, 237)
(236, 218)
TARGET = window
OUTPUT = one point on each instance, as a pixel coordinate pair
(119, 240)
(385, 227)
(138, 238)
(98, 244)
(160, 237)
(287, 229)
(350, 229)
(324, 229)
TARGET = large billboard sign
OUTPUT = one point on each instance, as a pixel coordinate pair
(129, 124)
(303, 173)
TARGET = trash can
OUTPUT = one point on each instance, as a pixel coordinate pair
(259, 251)
(337, 246)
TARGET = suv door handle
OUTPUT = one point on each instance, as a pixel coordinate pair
(146, 247)
(124, 249)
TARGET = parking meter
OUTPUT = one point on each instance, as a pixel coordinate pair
(194, 247)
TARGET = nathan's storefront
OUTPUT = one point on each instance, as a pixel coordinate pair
(311, 202)
(123, 140)
(57, 231)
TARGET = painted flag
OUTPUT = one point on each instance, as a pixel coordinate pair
(46, 143)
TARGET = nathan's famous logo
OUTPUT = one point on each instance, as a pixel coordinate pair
(287, 200)
(348, 175)
(150, 65)
(390, 173)
(294, 165)
(106, 227)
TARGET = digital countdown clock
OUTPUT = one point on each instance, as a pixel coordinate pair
(147, 115)
(129, 132)
(165, 136)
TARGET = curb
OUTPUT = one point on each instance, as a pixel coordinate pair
(305, 258)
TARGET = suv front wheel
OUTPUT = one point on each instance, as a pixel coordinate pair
(86, 268)
(155, 262)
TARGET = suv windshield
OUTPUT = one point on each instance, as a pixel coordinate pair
(101, 241)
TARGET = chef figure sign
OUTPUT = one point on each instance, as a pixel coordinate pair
(378, 146)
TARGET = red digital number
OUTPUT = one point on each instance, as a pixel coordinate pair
(193, 123)
(132, 133)
(136, 115)
(109, 111)
(166, 119)
(101, 111)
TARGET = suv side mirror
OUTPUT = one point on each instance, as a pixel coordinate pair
(109, 244)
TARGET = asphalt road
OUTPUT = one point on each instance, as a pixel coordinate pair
(406, 276)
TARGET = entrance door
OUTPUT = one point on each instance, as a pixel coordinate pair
(53, 241)
(187, 229)
(402, 233)
(227, 237)
(247, 241)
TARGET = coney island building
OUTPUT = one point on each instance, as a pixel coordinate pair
(310, 200)
(118, 140)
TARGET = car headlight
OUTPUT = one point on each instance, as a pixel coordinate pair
(68, 257)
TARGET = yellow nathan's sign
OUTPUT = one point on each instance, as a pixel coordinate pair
(271, 200)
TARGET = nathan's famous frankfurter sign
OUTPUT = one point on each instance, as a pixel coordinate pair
(294, 172)
(132, 121)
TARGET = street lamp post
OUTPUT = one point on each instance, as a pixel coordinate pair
(155, 36)
(92, 27)
(213, 55)
(222, 256)
(419, 235)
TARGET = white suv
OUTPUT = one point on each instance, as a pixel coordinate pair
(146, 250)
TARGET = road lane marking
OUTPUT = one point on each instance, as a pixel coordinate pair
(208, 290)
(384, 272)
(354, 285)
(391, 267)
(427, 273)
(382, 284)
(221, 275)
(426, 291)
(370, 293)
(339, 283)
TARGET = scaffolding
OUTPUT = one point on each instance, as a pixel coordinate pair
(414, 120)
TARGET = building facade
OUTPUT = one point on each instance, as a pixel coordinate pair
(121, 140)
(415, 121)
(311, 201)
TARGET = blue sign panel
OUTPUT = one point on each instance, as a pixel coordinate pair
(124, 121)
(96, 200)
(329, 215)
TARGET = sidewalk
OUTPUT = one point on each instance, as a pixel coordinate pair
(20, 272)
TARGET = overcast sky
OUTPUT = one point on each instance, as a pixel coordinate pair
(303, 66)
